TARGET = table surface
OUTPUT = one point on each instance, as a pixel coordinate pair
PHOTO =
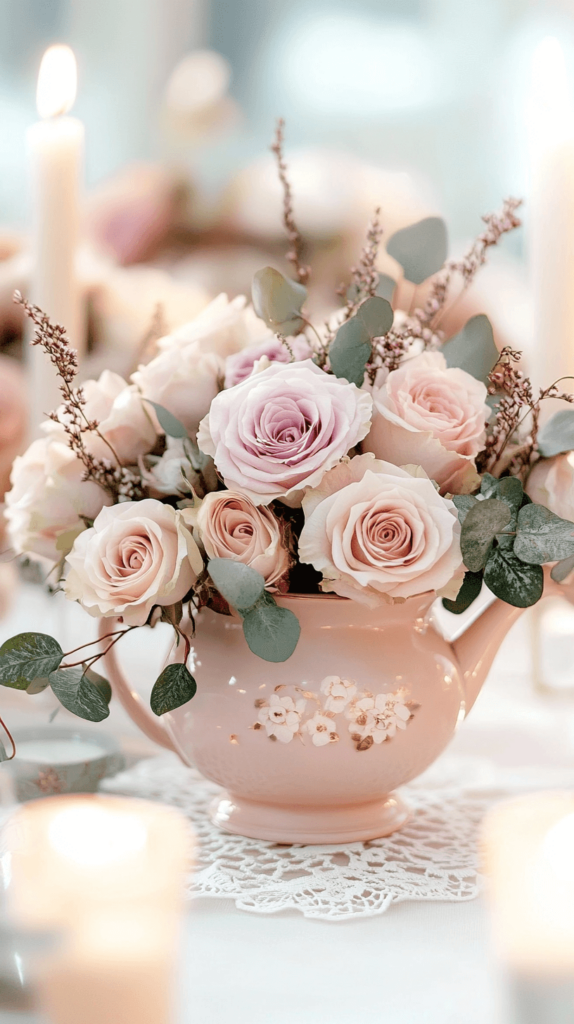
(418, 963)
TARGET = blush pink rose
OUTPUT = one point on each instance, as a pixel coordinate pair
(427, 414)
(240, 365)
(137, 554)
(231, 526)
(279, 431)
(376, 532)
(551, 483)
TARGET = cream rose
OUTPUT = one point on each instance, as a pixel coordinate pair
(376, 532)
(232, 526)
(277, 432)
(49, 497)
(222, 328)
(138, 554)
(122, 419)
(551, 483)
(433, 416)
(184, 380)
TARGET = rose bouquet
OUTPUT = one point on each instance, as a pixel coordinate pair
(258, 454)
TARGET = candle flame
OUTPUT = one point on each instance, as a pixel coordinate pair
(57, 81)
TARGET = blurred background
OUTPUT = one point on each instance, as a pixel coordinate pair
(435, 87)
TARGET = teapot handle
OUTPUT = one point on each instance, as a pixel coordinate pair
(130, 699)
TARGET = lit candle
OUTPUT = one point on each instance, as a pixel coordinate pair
(56, 149)
(529, 856)
(108, 872)
(550, 121)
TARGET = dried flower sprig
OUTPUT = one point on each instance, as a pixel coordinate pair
(497, 225)
(295, 254)
(119, 481)
(517, 405)
(364, 277)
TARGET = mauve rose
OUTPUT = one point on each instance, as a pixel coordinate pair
(48, 498)
(376, 532)
(122, 419)
(240, 365)
(551, 483)
(231, 526)
(279, 431)
(432, 416)
(137, 554)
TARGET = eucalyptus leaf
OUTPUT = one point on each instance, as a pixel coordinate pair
(508, 578)
(239, 584)
(482, 523)
(377, 316)
(37, 685)
(271, 632)
(277, 300)
(26, 656)
(174, 687)
(167, 421)
(78, 695)
(350, 351)
(542, 536)
(557, 435)
(3, 753)
(421, 248)
(469, 591)
(562, 569)
(386, 287)
(100, 683)
(509, 490)
(473, 348)
(464, 503)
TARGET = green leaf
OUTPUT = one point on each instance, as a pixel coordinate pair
(167, 421)
(542, 536)
(482, 523)
(509, 490)
(421, 249)
(350, 351)
(3, 753)
(37, 685)
(100, 683)
(562, 569)
(277, 300)
(272, 633)
(557, 435)
(77, 694)
(386, 287)
(26, 656)
(464, 503)
(512, 581)
(174, 687)
(239, 584)
(473, 348)
(469, 591)
(376, 315)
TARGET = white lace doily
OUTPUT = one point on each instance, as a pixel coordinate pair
(433, 857)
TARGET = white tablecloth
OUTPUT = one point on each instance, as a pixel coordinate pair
(416, 964)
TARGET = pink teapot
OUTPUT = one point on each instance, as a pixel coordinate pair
(311, 750)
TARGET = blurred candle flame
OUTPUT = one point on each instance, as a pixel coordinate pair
(57, 81)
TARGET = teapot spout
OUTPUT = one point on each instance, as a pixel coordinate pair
(476, 649)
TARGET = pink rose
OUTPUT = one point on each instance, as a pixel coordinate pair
(551, 483)
(431, 416)
(376, 532)
(137, 554)
(279, 431)
(222, 328)
(240, 365)
(184, 380)
(231, 526)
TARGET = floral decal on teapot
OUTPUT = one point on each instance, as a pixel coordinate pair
(372, 719)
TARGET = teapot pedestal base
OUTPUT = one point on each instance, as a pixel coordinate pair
(349, 823)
